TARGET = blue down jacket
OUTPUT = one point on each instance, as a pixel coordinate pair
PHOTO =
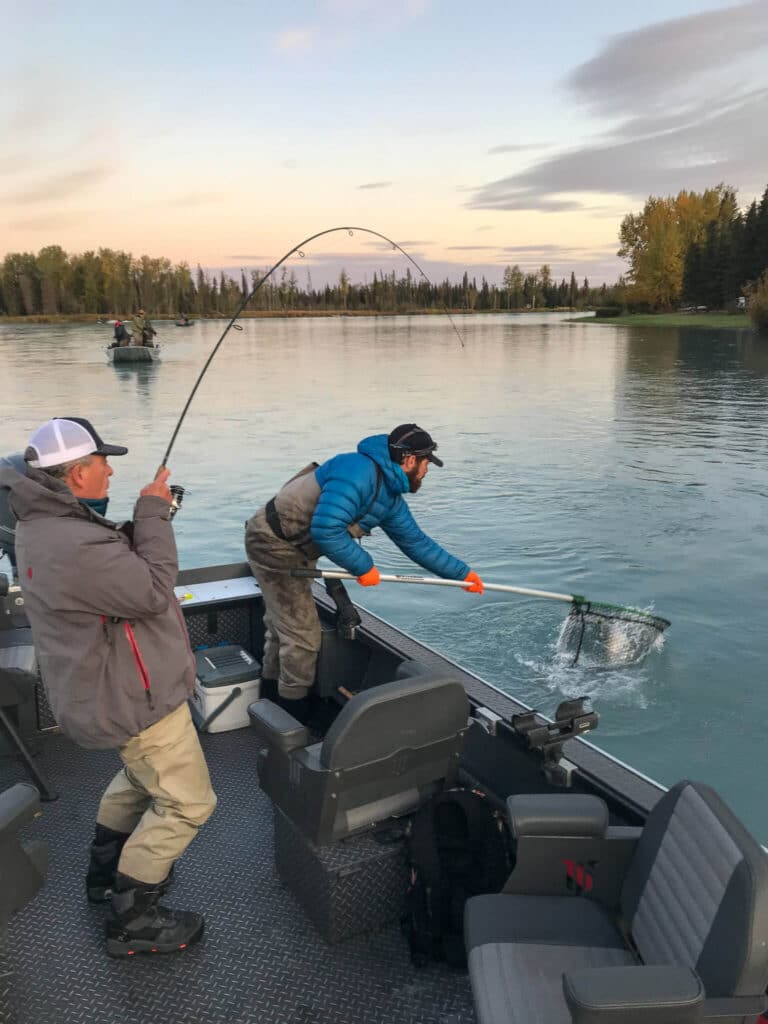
(348, 485)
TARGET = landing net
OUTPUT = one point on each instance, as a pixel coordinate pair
(608, 635)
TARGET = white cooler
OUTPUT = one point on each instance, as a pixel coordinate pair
(220, 670)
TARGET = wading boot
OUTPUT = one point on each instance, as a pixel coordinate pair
(301, 709)
(267, 689)
(106, 848)
(138, 924)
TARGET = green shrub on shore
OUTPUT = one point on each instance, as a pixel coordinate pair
(604, 311)
(757, 301)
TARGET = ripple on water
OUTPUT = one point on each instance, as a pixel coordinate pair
(514, 645)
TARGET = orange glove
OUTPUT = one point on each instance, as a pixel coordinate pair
(370, 578)
(475, 581)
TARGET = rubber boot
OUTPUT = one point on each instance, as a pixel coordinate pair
(106, 848)
(138, 924)
(301, 709)
(267, 689)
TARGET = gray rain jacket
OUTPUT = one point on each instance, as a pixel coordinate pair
(110, 638)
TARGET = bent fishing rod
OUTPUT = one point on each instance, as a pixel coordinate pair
(298, 249)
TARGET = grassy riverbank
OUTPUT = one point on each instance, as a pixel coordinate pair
(740, 320)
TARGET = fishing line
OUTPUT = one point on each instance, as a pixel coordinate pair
(296, 249)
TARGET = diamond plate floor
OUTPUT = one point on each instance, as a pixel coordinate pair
(261, 961)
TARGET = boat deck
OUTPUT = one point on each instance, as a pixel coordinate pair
(260, 960)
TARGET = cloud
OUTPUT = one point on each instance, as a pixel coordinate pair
(46, 223)
(295, 40)
(520, 148)
(472, 248)
(688, 97)
(326, 269)
(345, 21)
(642, 68)
(62, 186)
(14, 163)
(557, 253)
(404, 9)
(376, 184)
(192, 199)
(249, 257)
(394, 13)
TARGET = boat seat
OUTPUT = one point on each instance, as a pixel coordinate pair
(389, 749)
(18, 679)
(689, 941)
(23, 866)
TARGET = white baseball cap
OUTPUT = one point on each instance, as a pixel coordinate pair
(66, 439)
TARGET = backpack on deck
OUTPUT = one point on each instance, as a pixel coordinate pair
(458, 847)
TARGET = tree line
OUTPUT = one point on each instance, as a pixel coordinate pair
(696, 249)
(112, 282)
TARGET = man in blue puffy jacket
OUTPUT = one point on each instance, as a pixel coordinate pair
(324, 510)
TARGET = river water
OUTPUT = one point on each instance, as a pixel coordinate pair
(626, 464)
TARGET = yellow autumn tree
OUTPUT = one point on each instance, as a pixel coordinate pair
(656, 240)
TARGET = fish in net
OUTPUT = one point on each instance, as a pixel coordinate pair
(608, 635)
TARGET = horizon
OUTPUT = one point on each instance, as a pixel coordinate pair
(526, 148)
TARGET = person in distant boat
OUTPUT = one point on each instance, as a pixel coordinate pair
(143, 331)
(325, 510)
(183, 318)
(118, 670)
(122, 337)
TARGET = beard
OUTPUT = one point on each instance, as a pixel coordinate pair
(414, 481)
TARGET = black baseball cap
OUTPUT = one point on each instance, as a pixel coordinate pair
(410, 439)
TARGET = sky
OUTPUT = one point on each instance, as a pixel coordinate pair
(476, 136)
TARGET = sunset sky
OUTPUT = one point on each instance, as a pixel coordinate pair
(474, 135)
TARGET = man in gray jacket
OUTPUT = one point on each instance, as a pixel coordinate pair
(117, 666)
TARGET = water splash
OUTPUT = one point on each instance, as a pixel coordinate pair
(598, 642)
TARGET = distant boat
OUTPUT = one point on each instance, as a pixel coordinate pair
(184, 323)
(133, 354)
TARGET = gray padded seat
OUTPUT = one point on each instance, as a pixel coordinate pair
(694, 900)
(389, 749)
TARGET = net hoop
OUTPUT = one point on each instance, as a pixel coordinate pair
(618, 613)
(593, 613)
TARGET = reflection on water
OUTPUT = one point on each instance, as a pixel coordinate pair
(137, 376)
(626, 464)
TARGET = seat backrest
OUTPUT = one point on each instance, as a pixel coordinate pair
(23, 866)
(389, 750)
(408, 714)
(696, 893)
(18, 666)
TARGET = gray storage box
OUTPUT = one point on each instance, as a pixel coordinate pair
(355, 886)
(220, 671)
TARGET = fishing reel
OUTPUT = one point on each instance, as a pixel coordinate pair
(177, 492)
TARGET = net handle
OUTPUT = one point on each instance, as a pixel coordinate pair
(433, 581)
(580, 603)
